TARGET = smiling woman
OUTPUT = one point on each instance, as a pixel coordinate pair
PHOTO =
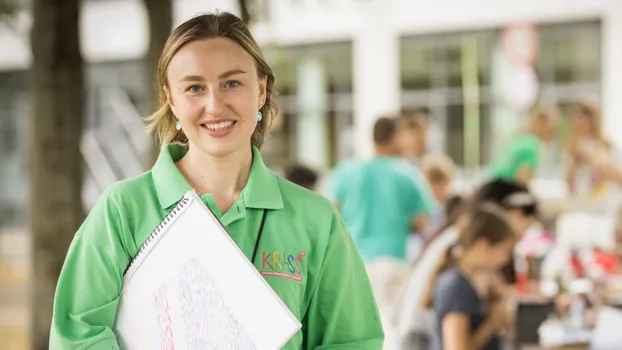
(215, 107)
(233, 73)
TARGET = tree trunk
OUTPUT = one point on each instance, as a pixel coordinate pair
(160, 13)
(55, 160)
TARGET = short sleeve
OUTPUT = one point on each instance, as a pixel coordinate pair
(454, 295)
(342, 312)
(89, 285)
(528, 154)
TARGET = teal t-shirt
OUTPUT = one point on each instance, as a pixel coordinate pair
(521, 152)
(378, 200)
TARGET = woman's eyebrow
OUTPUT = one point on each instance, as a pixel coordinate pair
(198, 78)
(230, 73)
(192, 78)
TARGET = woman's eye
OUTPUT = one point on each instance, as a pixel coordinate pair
(195, 88)
(232, 84)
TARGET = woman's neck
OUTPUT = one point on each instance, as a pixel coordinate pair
(467, 266)
(224, 178)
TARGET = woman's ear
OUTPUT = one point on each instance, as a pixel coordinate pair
(169, 98)
(263, 85)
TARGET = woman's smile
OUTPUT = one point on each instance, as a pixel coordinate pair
(218, 128)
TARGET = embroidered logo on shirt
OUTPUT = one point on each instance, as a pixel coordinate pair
(282, 264)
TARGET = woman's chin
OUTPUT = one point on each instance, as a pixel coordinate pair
(221, 147)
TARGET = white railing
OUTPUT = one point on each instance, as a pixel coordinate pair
(120, 141)
(96, 160)
(129, 118)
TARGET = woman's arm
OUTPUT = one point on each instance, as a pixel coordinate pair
(89, 285)
(605, 165)
(457, 333)
(572, 166)
(342, 313)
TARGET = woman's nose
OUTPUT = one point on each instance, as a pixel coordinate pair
(214, 103)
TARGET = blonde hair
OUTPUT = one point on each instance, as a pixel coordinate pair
(538, 115)
(591, 111)
(226, 25)
(437, 168)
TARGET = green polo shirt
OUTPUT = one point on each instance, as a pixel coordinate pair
(521, 152)
(327, 287)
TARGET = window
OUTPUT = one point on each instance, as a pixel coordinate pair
(432, 72)
(334, 62)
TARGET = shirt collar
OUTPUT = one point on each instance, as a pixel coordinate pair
(261, 191)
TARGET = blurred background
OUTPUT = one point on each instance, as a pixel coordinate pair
(478, 66)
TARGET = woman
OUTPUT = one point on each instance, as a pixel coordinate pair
(518, 161)
(414, 318)
(216, 99)
(468, 315)
(585, 181)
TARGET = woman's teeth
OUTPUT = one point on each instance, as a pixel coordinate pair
(219, 126)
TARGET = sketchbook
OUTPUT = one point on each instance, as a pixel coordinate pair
(191, 287)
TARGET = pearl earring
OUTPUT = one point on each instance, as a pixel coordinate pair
(259, 116)
(178, 125)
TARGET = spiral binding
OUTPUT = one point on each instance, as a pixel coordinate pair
(163, 224)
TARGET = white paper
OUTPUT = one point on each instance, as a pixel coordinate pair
(606, 335)
(194, 289)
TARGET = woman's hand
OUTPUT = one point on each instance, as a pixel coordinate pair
(499, 314)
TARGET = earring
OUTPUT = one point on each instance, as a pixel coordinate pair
(178, 125)
(259, 116)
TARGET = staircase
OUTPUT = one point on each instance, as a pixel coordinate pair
(115, 144)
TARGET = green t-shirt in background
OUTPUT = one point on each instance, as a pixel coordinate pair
(521, 152)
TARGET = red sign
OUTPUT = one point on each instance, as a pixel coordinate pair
(521, 43)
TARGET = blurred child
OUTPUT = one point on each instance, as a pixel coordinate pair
(414, 320)
(439, 171)
(302, 176)
(468, 316)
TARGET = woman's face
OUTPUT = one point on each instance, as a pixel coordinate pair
(215, 92)
(519, 221)
(411, 142)
(492, 257)
(582, 124)
(549, 127)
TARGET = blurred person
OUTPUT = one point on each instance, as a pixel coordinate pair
(216, 105)
(520, 204)
(586, 139)
(413, 320)
(302, 176)
(381, 201)
(412, 137)
(433, 137)
(469, 312)
(521, 210)
(605, 165)
(439, 172)
(518, 161)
